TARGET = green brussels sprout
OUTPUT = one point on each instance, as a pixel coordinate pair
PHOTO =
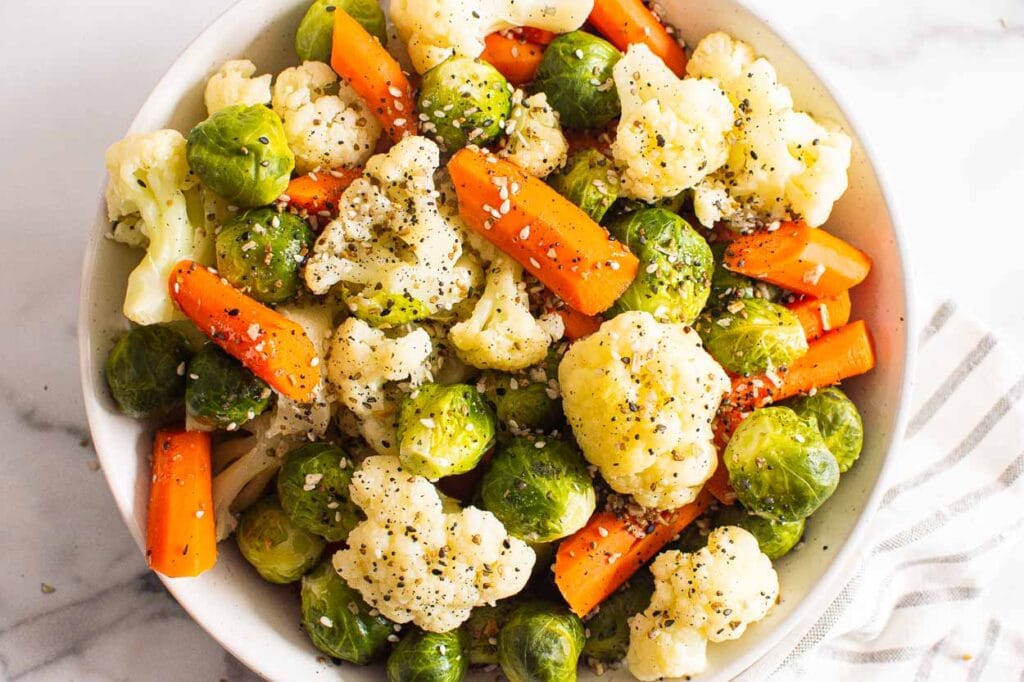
(278, 549)
(675, 266)
(262, 253)
(443, 430)
(383, 309)
(313, 487)
(337, 619)
(242, 155)
(779, 465)
(774, 538)
(541, 491)
(465, 101)
(316, 30)
(429, 657)
(482, 628)
(727, 285)
(608, 629)
(524, 405)
(145, 371)
(541, 642)
(576, 75)
(752, 335)
(588, 180)
(836, 418)
(692, 539)
(220, 392)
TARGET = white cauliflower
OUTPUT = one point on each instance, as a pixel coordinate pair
(640, 396)
(326, 123)
(149, 178)
(534, 139)
(710, 595)
(390, 235)
(782, 163)
(672, 132)
(414, 561)
(362, 360)
(501, 333)
(234, 84)
(434, 30)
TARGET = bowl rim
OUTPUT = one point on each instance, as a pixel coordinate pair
(813, 603)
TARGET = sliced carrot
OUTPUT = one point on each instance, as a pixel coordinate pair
(517, 60)
(180, 536)
(799, 258)
(625, 22)
(719, 486)
(273, 347)
(537, 35)
(820, 315)
(317, 192)
(596, 560)
(546, 233)
(578, 325)
(360, 59)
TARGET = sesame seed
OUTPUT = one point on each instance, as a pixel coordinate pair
(428, 422)
(181, 369)
(399, 122)
(534, 263)
(394, 92)
(200, 513)
(651, 269)
(602, 531)
(326, 622)
(524, 233)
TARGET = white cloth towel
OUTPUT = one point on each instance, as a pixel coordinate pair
(953, 510)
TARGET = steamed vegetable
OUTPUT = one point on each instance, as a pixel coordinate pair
(775, 539)
(836, 418)
(625, 22)
(145, 371)
(236, 83)
(443, 430)
(576, 75)
(262, 253)
(276, 547)
(524, 405)
(821, 315)
(516, 59)
(220, 392)
(313, 487)
(429, 657)
(541, 642)
(534, 140)
(608, 629)
(727, 286)
(589, 180)
(316, 30)
(752, 336)
(482, 630)
(317, 192)
(464, 101)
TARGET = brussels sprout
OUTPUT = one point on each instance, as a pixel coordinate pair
(541, 491)
(588, 180)
(836, 418)
(145, 371)
(524, 405)
(774, 538)
(316, 30)
(443, 430)
(608, 629)
(779, 465)
(465, 100)
(692, 539)
(313, 487)
(576, 75)
(541, 642)
(220, 392)
(278, 549)
(338, 620)
(429, 657)
(387, 310)
(242, 155)
(727, 285)
(482, 628)
(675, 266)
(752, 335)
(262, 252)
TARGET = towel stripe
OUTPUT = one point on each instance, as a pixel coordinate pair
(937, 322)
(943, 393)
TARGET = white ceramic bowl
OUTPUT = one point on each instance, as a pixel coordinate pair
(259, 623)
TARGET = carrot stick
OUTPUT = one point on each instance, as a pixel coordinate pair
(578, 325)
(180, 537)
(537, 35)
(820, 315)
(360, 59)
(546, 233)
(594, 562)
(719, 486)
(318, 192)
(273, 347)
(799, 258)
(517, 60)
(625, 22)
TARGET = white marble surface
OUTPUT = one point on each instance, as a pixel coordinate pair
(937, 85)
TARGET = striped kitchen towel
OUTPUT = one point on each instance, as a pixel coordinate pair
(910, 607)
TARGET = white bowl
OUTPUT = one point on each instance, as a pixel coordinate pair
(258, 622)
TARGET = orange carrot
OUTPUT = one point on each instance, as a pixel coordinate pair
(318, 192)
(374, 74)
(517, 60)
(273, 347)
(180, 537)
(820, 315)
(591, 138)
(799, 258)
(625, 22)
(578, 325)
(548, 234)
(594, 562)
(719, 486)
(537, 35)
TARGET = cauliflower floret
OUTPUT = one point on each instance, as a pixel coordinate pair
(672, 132)
(390, 235)
(234, 84)
(149, 178)
(501, 333)
(324, 130)
(414, 561)
(362, 360)
(433, 30)
(640, 396)
(534, 137)
(710, 595)
(782, 163)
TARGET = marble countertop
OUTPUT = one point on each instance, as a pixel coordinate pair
(935, 85)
